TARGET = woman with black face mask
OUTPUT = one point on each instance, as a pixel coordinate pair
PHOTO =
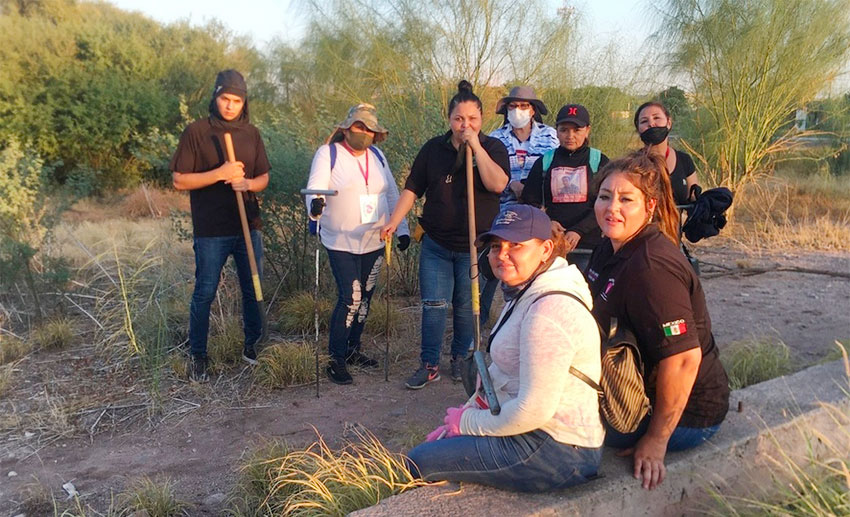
(350, 227)
(653, 123)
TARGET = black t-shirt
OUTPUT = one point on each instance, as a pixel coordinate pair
(649, 286)
(679, 177)
(572, 203)
(201, 149)
(440, 174)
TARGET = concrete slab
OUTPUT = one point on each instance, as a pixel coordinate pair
(784, 417)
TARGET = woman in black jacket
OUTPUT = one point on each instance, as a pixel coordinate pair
(561, 181)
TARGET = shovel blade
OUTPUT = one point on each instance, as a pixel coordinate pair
(468, 374)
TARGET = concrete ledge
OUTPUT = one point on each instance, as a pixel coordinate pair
(790, 415)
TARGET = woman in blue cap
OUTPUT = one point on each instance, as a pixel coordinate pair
(549, 433)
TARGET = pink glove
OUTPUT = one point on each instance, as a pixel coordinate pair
(452, 420)
(436, 434)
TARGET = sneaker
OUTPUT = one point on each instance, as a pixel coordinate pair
(357, 359)
(424, 375)
(457, 369)
(249, 354)
(198, 368)
(338, 373)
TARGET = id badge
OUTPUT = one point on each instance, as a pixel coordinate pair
(368, 208)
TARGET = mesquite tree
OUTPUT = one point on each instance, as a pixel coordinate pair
(751, 64)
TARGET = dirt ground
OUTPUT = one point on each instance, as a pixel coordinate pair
(202, 431)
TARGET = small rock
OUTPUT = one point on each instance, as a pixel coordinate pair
(28, 435)
(12, 474)
(398, 412)
(215, 499)
(21, 515)
(70, 489)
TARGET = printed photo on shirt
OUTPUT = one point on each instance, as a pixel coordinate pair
(569, 184)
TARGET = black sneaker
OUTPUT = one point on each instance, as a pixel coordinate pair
(198, 368)
(338, 373)
(457, 369)
(249, 354)
(357, 359)
(426, 374)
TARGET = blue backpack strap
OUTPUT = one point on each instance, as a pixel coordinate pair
(378, 154)
(547, 160)
(595, 158)
(333, 155)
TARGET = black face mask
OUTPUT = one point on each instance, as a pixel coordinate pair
(654, 135)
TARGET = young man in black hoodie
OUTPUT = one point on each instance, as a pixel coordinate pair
(561, 183)
(200, 166)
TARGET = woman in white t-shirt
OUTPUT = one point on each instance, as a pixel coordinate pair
(350, 227)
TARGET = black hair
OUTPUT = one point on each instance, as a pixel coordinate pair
(464, 94)
(648, 104)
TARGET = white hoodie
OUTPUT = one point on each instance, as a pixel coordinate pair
(532, 354)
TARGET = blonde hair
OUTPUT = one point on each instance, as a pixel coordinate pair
(647, 171)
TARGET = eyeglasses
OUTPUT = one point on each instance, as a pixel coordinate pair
(519, 105)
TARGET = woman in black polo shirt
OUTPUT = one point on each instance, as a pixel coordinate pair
(638, 275)
(439, 173)
(653, 124)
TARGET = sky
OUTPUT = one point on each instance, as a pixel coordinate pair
(265, 20)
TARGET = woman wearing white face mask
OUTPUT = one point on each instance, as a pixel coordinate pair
(525, 136)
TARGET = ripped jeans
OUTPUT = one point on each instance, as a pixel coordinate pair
(444, 278)
(356, 276)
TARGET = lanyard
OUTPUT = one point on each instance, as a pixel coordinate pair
(365, 173)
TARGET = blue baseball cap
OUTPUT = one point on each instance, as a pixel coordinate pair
(518, 223)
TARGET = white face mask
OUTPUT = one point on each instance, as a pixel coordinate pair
(519, 118)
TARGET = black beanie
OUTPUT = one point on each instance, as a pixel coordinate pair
(230, 81)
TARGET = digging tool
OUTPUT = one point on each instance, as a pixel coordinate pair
(252, 260)
(476, 358)
(316, 192)
(388, 253)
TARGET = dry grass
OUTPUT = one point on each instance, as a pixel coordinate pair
(55, 334)
(755, 360)
(287, 364)
(800, 212)
(816, 485)
(145, 201)
(225, 345)
(153, 498)
(12, 349)
(7, 372)
(321, 481)
(295, 313)
(35, 499)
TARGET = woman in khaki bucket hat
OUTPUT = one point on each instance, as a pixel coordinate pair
(350, 227)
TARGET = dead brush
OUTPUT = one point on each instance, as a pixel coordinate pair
(7, 372)
(147, 201)
(55, 334)
(322, 481)
(286, 364)
(781, 213)
(755, 360)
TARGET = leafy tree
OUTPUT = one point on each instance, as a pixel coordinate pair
(750, 64)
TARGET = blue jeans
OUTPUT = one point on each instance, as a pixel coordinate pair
(682, 438)
(210, 255)
(444, 277)
(356, 276)
(528, 462)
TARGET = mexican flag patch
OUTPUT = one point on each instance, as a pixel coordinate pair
(675, 328)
